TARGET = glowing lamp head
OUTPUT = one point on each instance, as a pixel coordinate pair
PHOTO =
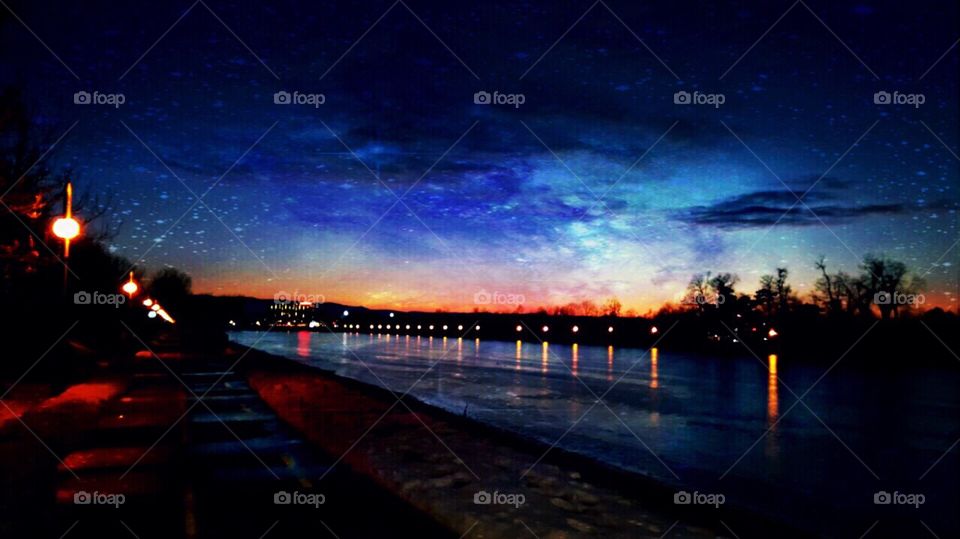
(130, 288)
(519, 328)
(772, 333)
(610, 329)
(545, 329)
(654, 330)
(460, 328)
(576, 329)
(444, 327)
(148, 302)
(66, 228)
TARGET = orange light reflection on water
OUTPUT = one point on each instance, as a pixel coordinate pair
(773, 400)
(654, 376)
(610, 363)
(576, 358)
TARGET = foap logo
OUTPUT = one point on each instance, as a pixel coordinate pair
(98, 298)
(896, 98)
(898, 498)
(698, 498)
(297, 298)
(898, 298)
(299, 498)
(699, 98)
(82, 497)
(701, 299)
(296, 98)
(496, 98)
(482, 297)
(96, 98)
(482, 497)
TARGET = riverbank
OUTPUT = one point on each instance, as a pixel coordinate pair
(439, 462)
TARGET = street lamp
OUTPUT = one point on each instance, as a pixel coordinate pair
(130, 287)
(66, 227)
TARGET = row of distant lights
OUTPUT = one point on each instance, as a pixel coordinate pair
(380, 326)
(545, 329)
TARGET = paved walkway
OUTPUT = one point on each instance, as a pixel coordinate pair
(189, 453)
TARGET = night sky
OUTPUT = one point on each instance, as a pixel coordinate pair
(496, 197)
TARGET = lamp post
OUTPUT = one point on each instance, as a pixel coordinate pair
(66, 228)
(130, 287)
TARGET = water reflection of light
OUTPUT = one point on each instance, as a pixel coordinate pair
(654, 377)
(476, 347)
(576, 358)
(303, 343)
(545, 357)
(459, 349)
(610, 363)
(519, 353)
(773, 400)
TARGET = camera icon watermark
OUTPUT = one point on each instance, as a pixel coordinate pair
(496, 98)
(699, 98)
(482, 497)
(96, 98)
(482, 297)
(284, 97)
(283, 497)
(884, 97)
(82, 497)
(898, 298)
(98, 298)
(699, 498)
(283, 297)
(883, 497)
(701, 299)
